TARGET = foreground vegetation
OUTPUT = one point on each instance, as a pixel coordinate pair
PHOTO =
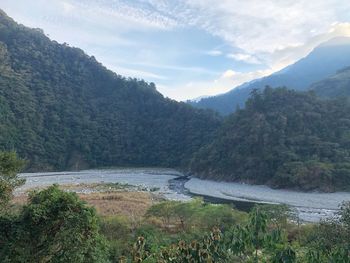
(57, 226)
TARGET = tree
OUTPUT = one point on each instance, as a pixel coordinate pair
(283, 138)
(257, 228)
(56, 101)
(260, 240)
(55, 226)
(329, 241)
(10, 166)
(164, 210)
(345, 215)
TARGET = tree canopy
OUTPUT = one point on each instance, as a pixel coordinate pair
(283, 138)
(55, 226)
(61, 109)
(10, 166)
(337, 85)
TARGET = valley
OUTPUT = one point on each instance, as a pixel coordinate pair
(259, 172)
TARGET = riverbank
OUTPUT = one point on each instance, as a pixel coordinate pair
(311, 206)
(173, 185)
(155, 180)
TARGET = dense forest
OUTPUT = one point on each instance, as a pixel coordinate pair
(283, 138)
(338, 85)
(61, 109)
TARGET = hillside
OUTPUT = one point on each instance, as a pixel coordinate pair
(282, 138)
(338, 85)
(321, 63)
(61, 109)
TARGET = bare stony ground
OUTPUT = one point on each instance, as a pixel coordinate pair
(138, 179)
(312, 206)
(122, 192)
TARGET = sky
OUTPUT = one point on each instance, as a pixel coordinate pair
(188, 48)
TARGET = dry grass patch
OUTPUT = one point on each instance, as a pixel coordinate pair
(130, 204)
(20, 199)
(108, 199)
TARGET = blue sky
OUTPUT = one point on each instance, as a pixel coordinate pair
(189, 48)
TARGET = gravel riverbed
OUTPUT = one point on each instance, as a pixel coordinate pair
(173, 185)
(311, 206)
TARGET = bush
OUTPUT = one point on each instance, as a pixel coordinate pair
(55, 226)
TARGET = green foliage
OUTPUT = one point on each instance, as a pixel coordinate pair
(260, 240)
(117, 231)
(335, 86)
(329, 241)
(283, 138)
(253, 241)
(257, 229)
(285, 255)
(278, 214)
(195, 215)
(165, 224)
(61, 109)
(54, 227)
(209, 249)
(10, 166)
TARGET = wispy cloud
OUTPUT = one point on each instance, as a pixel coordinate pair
(214, 52)
(225, 82)
(133, 73)
(173, 67)
(250, 59)
(189, 47)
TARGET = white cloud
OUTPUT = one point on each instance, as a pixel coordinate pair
(254, 26)
(260, 27)
(68, 7)
(235, 78)
(265, 26)
(276, 33)
(133, 73)
(214, 53)
(247, 58)
(286, 56)
(227, 81)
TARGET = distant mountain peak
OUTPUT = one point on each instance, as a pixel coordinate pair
(322, 62)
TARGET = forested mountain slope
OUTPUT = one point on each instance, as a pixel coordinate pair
(61, 109)
(324, 61)
(283, 138)
(338, 85)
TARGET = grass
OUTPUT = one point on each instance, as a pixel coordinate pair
(130, 204)
(110, 199)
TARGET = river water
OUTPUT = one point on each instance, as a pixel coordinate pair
(173, 185)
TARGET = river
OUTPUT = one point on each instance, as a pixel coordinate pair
(311, 207)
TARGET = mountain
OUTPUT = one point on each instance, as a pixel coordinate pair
(324, 61)
(283, 138)
(61, 109)
(338, 85)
